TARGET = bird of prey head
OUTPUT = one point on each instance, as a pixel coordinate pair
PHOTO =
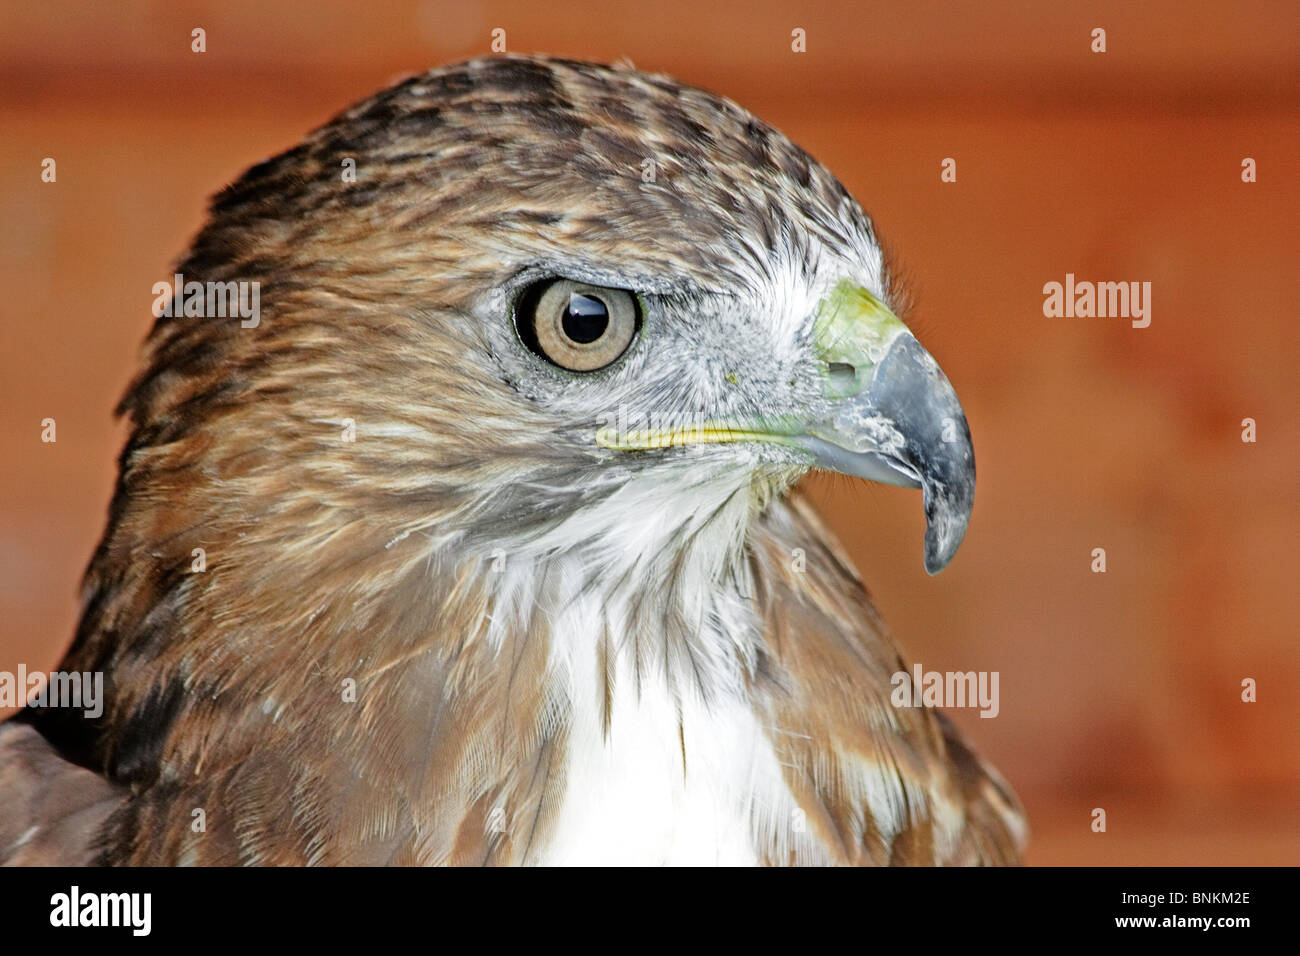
(477, 546)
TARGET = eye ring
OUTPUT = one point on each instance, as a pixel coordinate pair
(577, 326)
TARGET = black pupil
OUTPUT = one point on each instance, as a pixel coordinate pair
(586, 319)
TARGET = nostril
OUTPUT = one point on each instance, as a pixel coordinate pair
(843, 375)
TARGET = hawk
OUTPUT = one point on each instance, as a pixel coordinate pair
(500, 562)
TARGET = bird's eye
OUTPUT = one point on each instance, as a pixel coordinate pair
(577, 326)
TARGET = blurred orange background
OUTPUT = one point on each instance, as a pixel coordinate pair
(1119, 690)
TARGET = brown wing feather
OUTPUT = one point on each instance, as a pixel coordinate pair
(51, 809)
(878, 784)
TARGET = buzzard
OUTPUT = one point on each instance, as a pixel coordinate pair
(478, 545)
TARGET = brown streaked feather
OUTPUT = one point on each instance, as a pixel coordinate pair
(824, 691)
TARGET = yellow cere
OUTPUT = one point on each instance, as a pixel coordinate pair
(854, 328)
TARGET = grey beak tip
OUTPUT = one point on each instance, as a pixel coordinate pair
(947, 514)
(937, 556)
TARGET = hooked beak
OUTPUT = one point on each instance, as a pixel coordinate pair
(889, 415)
(892, 415)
